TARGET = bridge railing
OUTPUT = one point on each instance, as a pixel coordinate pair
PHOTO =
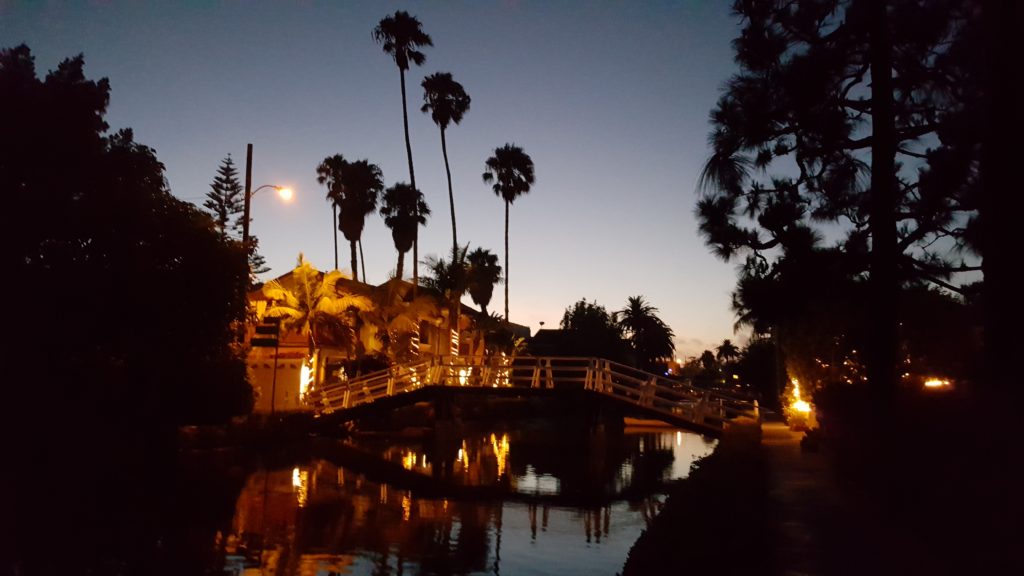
(655, 393)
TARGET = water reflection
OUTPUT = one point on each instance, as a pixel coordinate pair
(570, 507)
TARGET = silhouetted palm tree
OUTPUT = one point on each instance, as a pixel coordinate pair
(353, 189)
(447, 102)
(648, 335)
(401, 36)
(511, 172)
(727, 352)
(484, 273)
(404, 210)
(451, 279)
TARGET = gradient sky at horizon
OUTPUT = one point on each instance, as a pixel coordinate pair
(610, 99)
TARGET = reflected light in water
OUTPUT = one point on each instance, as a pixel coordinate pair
(500, 452)
(406, 507)
(300, 481)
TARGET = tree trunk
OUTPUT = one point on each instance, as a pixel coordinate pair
(355, 263)
(506, 262)
(401, 265)
(412, 180)
(362, 260)
(451, 195)
(884, 281)
(334, 219)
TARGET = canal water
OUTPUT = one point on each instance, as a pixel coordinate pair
(498, 502)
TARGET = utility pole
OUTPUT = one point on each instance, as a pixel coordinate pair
(248, 195)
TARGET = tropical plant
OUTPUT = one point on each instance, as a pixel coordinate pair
(590, 330)
(404, 211)
(484, 273)
(353, 189)
(401, 36)
(648, 336)
(225, 198)
(316, 307)
(447, 102)
(392, 321)
(510, 171)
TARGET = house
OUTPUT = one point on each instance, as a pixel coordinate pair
(282, 370)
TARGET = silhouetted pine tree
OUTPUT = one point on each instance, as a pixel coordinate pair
(225, 199)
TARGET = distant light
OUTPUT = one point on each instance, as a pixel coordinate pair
(735, 377)
(937, 383)
(285, 194)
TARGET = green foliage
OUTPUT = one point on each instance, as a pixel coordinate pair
(130, 295)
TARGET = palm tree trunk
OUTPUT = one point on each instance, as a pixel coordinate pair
(355, 263)
(362, 260)
(506, 261)
(401, 265)
(451, 195)
(412, 180)
(334, 219)
(884, 281)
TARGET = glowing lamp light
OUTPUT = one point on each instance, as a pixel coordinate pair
(285, 194)
(937, 383)
(802, 406)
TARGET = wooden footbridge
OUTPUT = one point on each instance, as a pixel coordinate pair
(646, 394)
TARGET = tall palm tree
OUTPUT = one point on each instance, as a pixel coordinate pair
(401, 36)
(353, 188)
(510, 171)
(404, 211)
(447, 102)
(328, 173)
(648, 335)
(484, 273)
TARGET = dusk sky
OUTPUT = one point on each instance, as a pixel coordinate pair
(610, 100)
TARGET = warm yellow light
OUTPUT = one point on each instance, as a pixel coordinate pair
(306, 376)
(802, 406)
(285, 194)
(936, 383)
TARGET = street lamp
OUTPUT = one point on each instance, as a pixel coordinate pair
(283, 192)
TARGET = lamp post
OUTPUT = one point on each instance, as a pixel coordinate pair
(285, 193)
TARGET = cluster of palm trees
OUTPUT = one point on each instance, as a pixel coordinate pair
(356, 189)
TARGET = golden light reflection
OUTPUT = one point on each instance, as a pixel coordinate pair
(937, 383)
(300, 482)
(406, 507)
(409, 460)
(463, 376)
(500, 448)
(679, 438)
(464, 455)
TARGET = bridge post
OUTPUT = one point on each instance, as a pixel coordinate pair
(588, 380)
(391, 385)
(548, 374)
(702, 406)
(344, 398)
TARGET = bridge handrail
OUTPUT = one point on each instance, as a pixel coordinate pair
(651, 391)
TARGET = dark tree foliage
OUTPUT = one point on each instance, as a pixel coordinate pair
(447, 102)
(130, 293)
(124, 303)
(855, 117)
(758, 367)
(225, 199)
(353, 189)
(590, 330)
(404, 210)
(649, 337)
(511, 175)
(484, 273)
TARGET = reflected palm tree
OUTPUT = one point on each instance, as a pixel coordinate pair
(401, 35)
(510, 171)
(447, 102)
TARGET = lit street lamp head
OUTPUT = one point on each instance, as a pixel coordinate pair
(285, 193)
